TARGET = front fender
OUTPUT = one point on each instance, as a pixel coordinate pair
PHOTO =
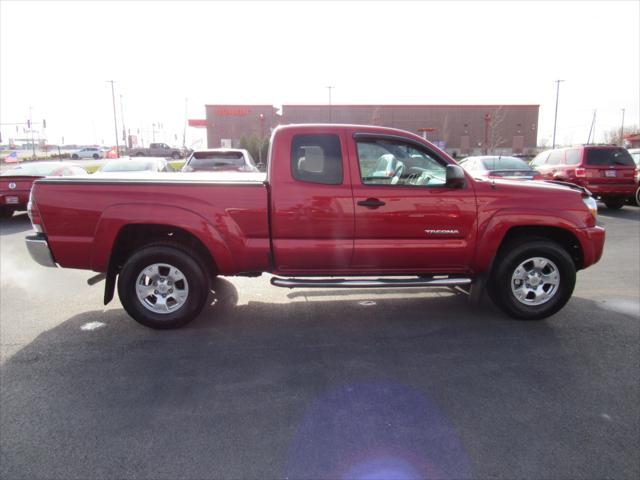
(115, 217)
(493, 230)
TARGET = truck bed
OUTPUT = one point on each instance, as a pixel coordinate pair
(227, 212)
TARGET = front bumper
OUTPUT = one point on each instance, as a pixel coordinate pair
(592, 242)
(39, 250)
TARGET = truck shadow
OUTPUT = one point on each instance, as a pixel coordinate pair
(236, 393)
(16, 224)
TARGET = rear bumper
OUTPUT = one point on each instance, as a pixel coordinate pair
(39, 250)
(618, 189)
(592, 242)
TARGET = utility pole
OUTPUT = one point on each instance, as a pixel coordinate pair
(115, 120)
(124, 129)
(622, 130)
(330, 88)
(184, 129)
(33, 145)
(555, 118)
(592, 128)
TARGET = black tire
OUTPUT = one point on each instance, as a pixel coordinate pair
(186, 261)
(637, 197)
(615, 203)
(6, 213)
(96, 156)
(139, 154)
(514, 255)
(175, 156)
(75, 156)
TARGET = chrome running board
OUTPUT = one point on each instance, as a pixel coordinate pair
(373, 283)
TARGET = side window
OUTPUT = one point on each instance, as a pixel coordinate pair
(393, 162)
(316, 159)
(540, 159)
(573, 156)
(556, 158)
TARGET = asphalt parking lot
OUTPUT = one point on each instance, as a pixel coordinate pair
(272, 383)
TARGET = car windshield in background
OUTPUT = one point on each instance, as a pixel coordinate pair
(505, 163)
(129, 166)
(33, 170)
(609, 156)
(217, 160)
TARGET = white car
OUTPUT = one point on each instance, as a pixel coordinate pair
(88, 152)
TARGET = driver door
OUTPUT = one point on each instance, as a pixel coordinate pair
(408, 221)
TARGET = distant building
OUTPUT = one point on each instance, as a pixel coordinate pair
(459, 129)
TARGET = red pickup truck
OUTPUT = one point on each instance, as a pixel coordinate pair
(329, 213)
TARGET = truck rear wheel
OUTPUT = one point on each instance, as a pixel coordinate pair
(163, 286)
(533, 279)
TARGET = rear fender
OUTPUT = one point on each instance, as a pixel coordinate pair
(114, 218)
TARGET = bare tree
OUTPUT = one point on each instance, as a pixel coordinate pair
(497, 127)
(612, 136)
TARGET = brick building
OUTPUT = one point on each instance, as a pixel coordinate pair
(460, 129)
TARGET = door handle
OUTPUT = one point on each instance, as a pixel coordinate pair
(371, 203)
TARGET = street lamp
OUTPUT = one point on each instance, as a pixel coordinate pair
(330, 88)
(115, 121)
(555, 118)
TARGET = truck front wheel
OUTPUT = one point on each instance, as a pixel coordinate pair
(163, 286)
(533, 279)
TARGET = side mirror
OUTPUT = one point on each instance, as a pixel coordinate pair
(455, 176)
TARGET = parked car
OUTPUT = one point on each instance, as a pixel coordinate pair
(88, 152)
(315, 217)
(635, 154)
(220, 159)
(606, 171)
(156, 150)
(15, 184)
(499, 167)
(125, 164)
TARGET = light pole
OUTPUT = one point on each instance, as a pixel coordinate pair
(124, 129)
(622, 130)
(330, 88)
(115, 120)
(555, 117)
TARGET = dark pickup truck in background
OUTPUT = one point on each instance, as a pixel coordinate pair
(156, 150)
(324, 216)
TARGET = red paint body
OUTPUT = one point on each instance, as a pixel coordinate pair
(278, 224)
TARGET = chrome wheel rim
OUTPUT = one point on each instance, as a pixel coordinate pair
(162, 288)
(535, 281)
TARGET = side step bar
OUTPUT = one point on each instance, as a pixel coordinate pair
(374, 283)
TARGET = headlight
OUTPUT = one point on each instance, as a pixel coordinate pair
(591, 205)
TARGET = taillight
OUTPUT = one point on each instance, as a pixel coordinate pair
(34, 214)
(580, 172)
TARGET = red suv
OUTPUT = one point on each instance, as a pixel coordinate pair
(606, 170)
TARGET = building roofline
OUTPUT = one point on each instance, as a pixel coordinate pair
(415, 105)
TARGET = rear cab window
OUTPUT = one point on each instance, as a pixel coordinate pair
(217, 159)
(317, 158)
(598, 157)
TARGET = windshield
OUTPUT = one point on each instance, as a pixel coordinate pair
(128, 166)
(505, 163)
(33, 170)
(609, 156)
(217, 159)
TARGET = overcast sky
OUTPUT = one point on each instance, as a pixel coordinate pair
(57, 56)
